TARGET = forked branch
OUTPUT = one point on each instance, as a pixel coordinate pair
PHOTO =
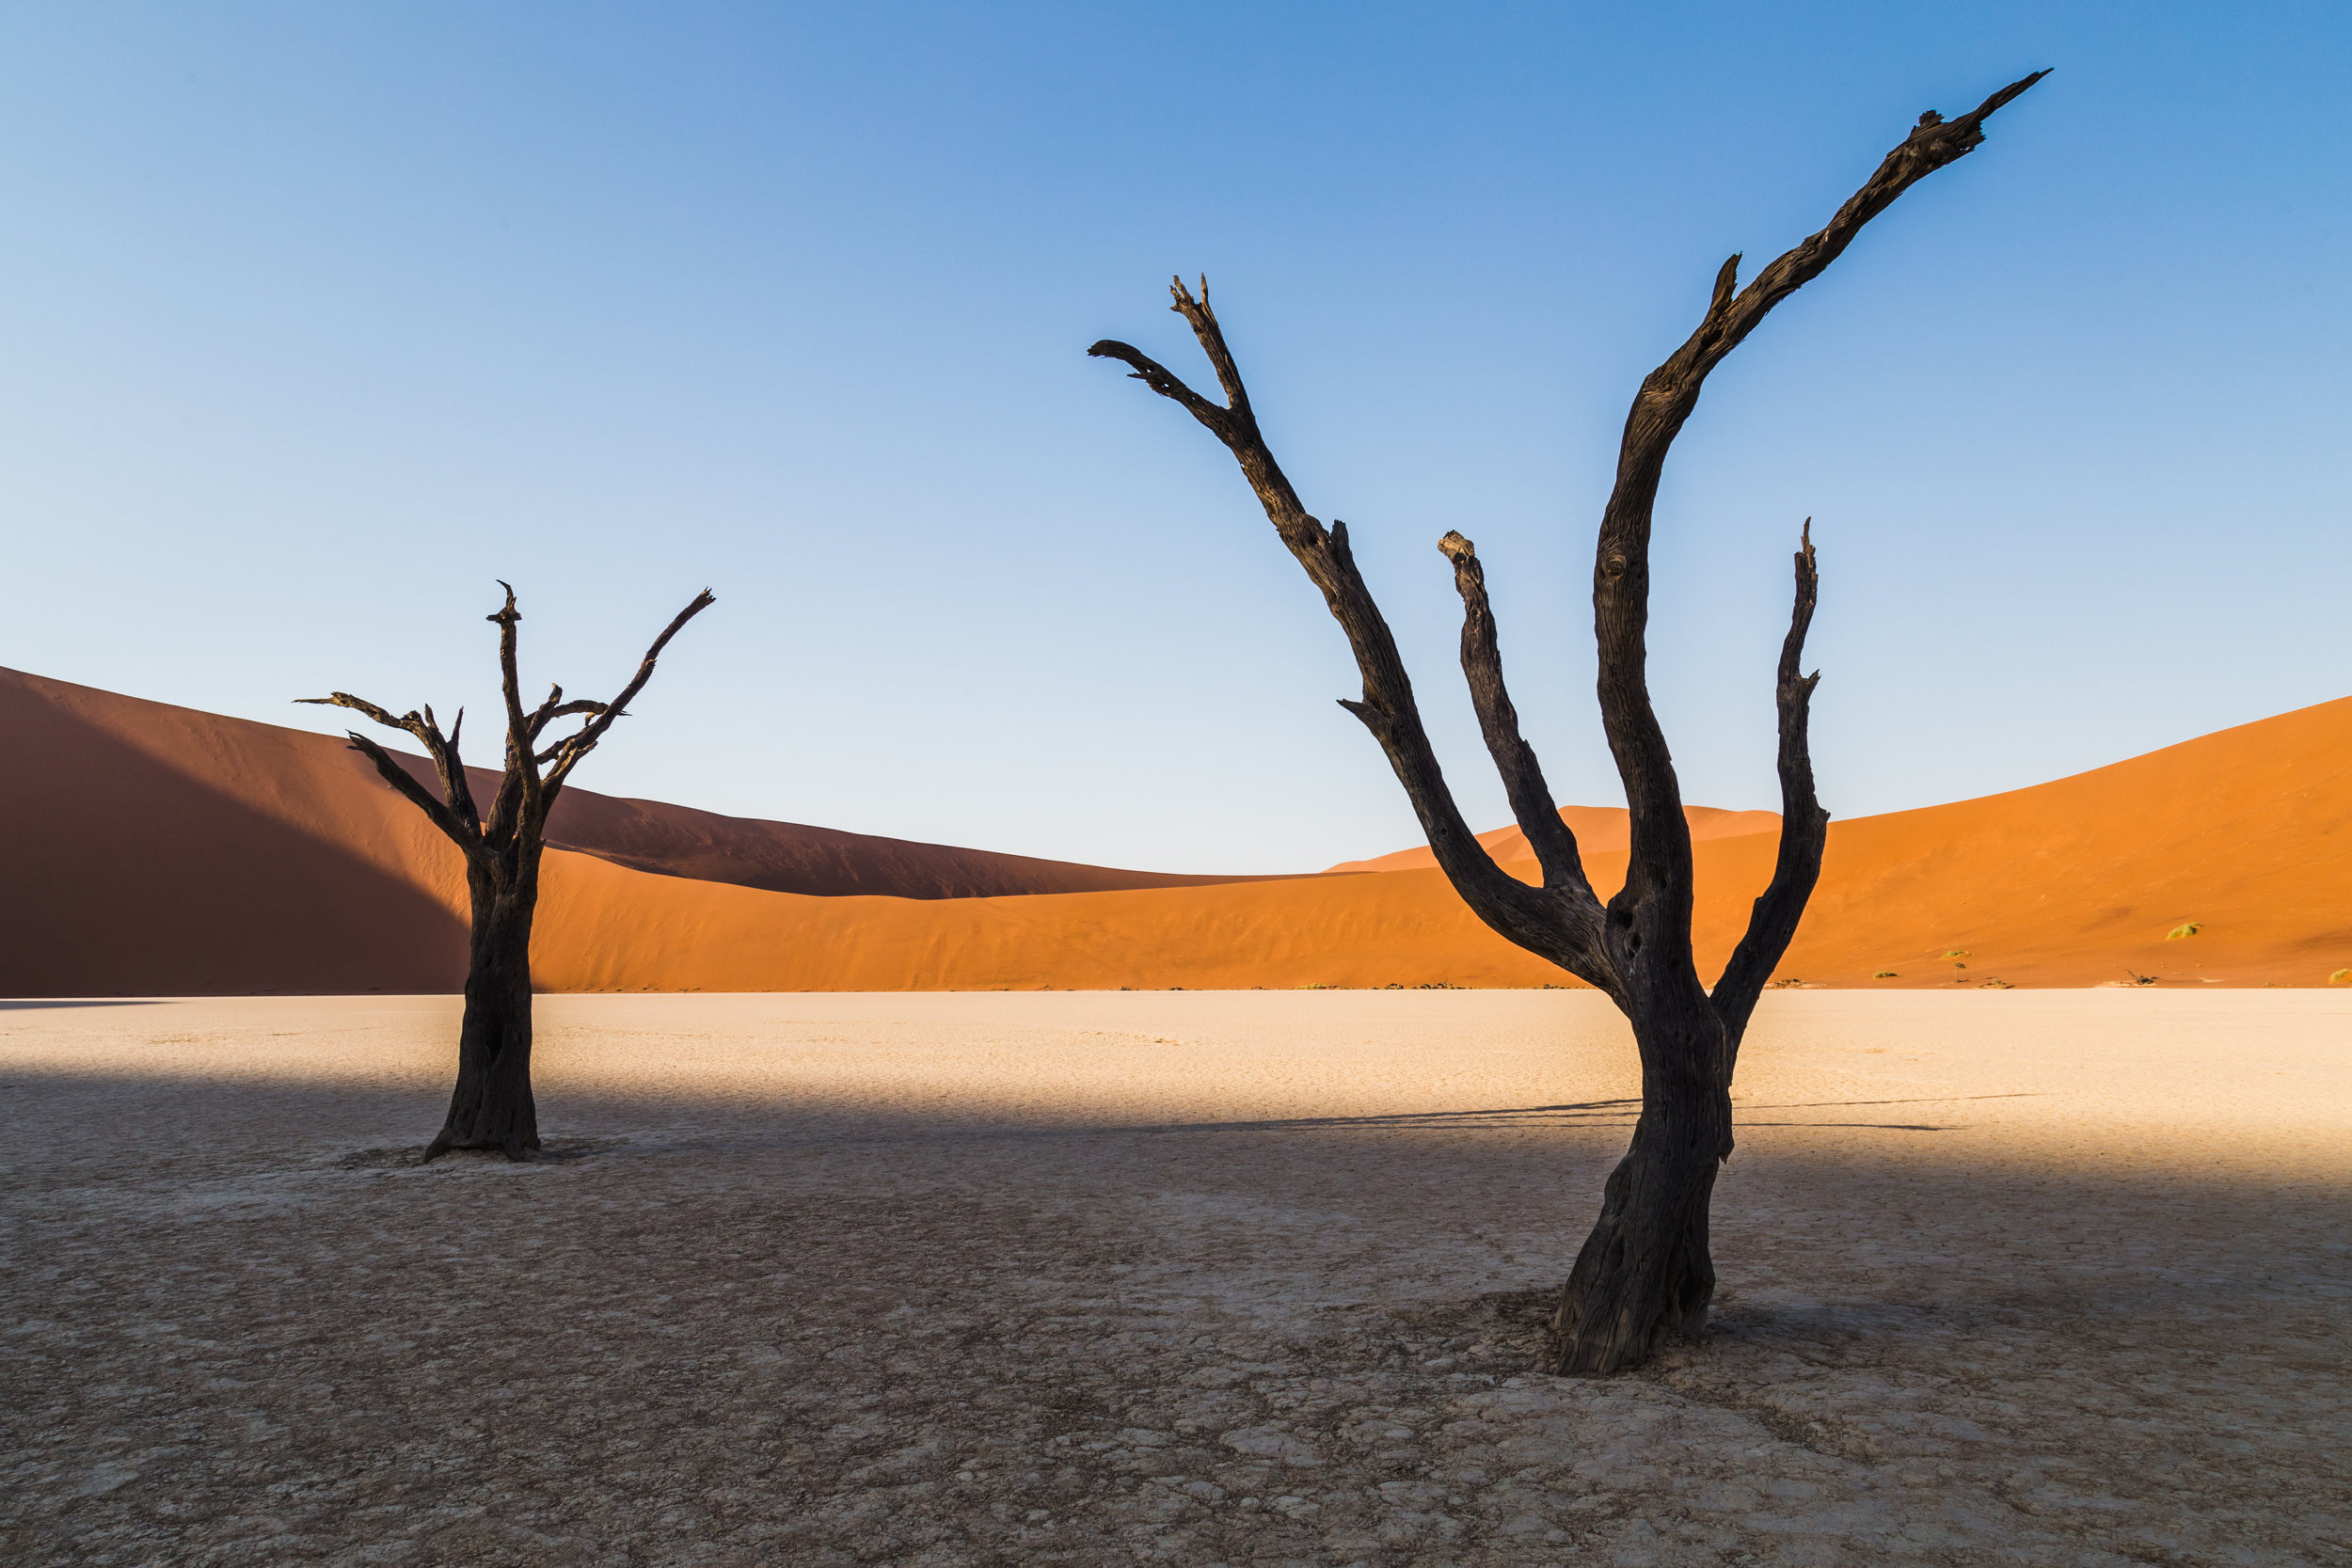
(1655, 902)
(1549, 920)
(566, 756)
(455, 816)
(451, 767)
(1732, 315)
(556, 707)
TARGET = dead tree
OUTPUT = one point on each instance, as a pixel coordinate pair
(491, 1106)
(1645, 1268)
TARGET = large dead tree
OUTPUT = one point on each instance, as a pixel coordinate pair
(1645, 1268)
(491, 1107)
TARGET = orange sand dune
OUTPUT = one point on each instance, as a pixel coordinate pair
(1599, 831)
(2246, 833)
(157, 849)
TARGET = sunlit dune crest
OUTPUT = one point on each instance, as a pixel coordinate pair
(165, 851)
(1600, 830)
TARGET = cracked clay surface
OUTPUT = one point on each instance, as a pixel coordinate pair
(1214, 1279)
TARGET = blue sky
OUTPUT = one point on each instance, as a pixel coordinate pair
(314, 320)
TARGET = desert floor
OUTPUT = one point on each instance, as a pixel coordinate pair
(2008, 1278)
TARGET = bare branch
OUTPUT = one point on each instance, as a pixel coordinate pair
(1653, 909)
(1515, 759)
(1544, 921)
(1803, 824)
(1221, 358)
(520, 791)
(360, 705)
(441, 749)
(1165, 382)
(450, 767)
(463, 797)
(549, 753)
(550, 711)
(416, 795)
(556, 707)
(1932, 144)
(606, 714)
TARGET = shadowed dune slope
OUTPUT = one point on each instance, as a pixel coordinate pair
(786, 857)
(148, 849)
(157, 849)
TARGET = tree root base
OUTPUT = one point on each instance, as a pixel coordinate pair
(1562, 1358)
(516, 1149)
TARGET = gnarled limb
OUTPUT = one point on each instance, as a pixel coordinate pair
(518, 791)
(1655, 904)
(606, 714)
(1803, 824)
(556, 707)
(455, 818)
(1541, 920)
(1522, 776)
(398, 777)
(451, 767)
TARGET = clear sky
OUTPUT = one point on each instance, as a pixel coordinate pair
(313, 320)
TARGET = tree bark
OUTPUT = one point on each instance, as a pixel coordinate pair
(491, 1106)
(1645, 1269)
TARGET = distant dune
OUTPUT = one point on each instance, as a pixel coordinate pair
(1600, 830)
(154, 849)
(786, 857)
(2247, 833)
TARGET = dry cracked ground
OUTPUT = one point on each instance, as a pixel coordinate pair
(2025, 1277)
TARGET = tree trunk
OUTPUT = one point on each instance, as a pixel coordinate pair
(1645, 1271)
(491, 1107)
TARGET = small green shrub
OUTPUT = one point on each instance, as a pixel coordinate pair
(2185, 928)
(2340, 977)
(1886, 975)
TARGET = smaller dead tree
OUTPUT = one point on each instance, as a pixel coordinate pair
(491, 1107)
(1645, 1268)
